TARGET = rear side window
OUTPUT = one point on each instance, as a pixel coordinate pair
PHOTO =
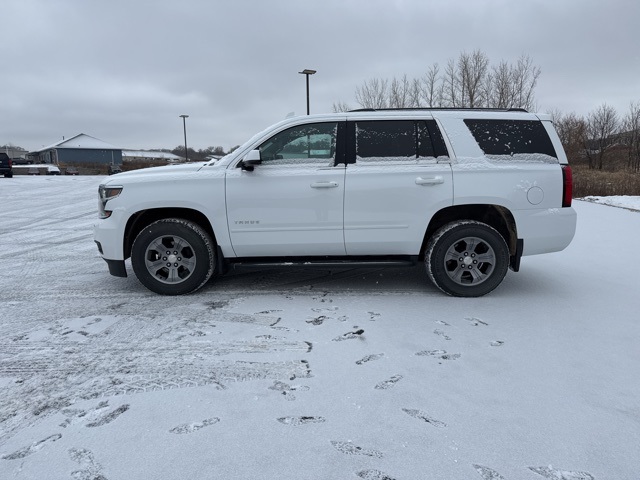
(390, 139)
(396, 140)
(525, 140)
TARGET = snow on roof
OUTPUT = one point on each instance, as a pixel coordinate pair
(149, 154)
(81, 141)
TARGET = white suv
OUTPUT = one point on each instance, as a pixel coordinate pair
(468, 192)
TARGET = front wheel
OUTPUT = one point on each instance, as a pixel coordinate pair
(467, 258)
(173, 257)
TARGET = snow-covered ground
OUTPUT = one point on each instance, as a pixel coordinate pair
(313, 374)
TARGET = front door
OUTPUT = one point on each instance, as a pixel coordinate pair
(292, 203)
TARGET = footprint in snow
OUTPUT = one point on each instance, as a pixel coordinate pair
(442, 334)
(549, 472)
(319, 320)
(325, 310)
(475, 321)
(349, 448)
(420, 415)
(109, 417)
(76, 415)
(370, 358)
(33, 448)
(349, 335)
(388, 383)
(441, 354)
(285, 389)
(297, 421)
(92, 470)
(487, 473)
(553, 474)
(373, 475)
(194, 426)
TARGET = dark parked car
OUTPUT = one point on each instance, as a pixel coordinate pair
(114, 169)
(71, 171)
(6, 165)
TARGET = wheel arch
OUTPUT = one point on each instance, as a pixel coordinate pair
(140, 220)
(496, 216)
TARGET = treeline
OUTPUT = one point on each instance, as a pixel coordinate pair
(603, 148)
(199, 155)
(604, 139)
(470, 81)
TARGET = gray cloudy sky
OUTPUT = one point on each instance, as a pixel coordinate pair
(124, 70)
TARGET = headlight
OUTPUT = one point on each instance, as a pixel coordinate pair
(106, 193)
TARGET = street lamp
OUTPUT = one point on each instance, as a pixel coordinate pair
(184, 126)
(307, 72)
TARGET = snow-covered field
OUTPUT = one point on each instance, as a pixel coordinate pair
(313, 374)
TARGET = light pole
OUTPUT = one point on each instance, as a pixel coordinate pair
(307, 72)
(184, 126)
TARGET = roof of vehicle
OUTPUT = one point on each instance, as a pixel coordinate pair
(441, 109)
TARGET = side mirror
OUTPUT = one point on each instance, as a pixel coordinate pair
(251, 160)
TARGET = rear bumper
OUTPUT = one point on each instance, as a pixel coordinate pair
(546, 231)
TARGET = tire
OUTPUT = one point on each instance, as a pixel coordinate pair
(173, 257)
(467, 258)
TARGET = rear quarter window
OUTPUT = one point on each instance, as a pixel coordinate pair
(513, 140)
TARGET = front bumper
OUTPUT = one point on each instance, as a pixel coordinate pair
(116, 268)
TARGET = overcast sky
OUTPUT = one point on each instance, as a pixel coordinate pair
(124, 70)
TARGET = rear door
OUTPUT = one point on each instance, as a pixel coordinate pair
(398, 176)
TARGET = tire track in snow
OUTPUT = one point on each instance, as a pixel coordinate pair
(51, 376)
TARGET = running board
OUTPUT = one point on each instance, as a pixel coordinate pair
(324, 263)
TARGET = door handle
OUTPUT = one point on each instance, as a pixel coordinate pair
(430, 180)
(324, 184)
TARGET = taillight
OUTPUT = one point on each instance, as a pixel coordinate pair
(567, 185)
(10, 163)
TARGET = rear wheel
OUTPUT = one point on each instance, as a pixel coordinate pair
(467, 258)
(173, 256)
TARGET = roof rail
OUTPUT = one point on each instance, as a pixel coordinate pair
(441, 108)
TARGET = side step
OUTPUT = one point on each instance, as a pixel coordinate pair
(321, 263)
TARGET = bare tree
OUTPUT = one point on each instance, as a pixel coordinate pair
(472, 69)
(429, 87)
(631, 136)
(602, 125)
(498, 86)
(400, 93)
(451, 85)
(415, 93)
(373, 94)
(524, 79)
(340, 107)
(572, 131)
